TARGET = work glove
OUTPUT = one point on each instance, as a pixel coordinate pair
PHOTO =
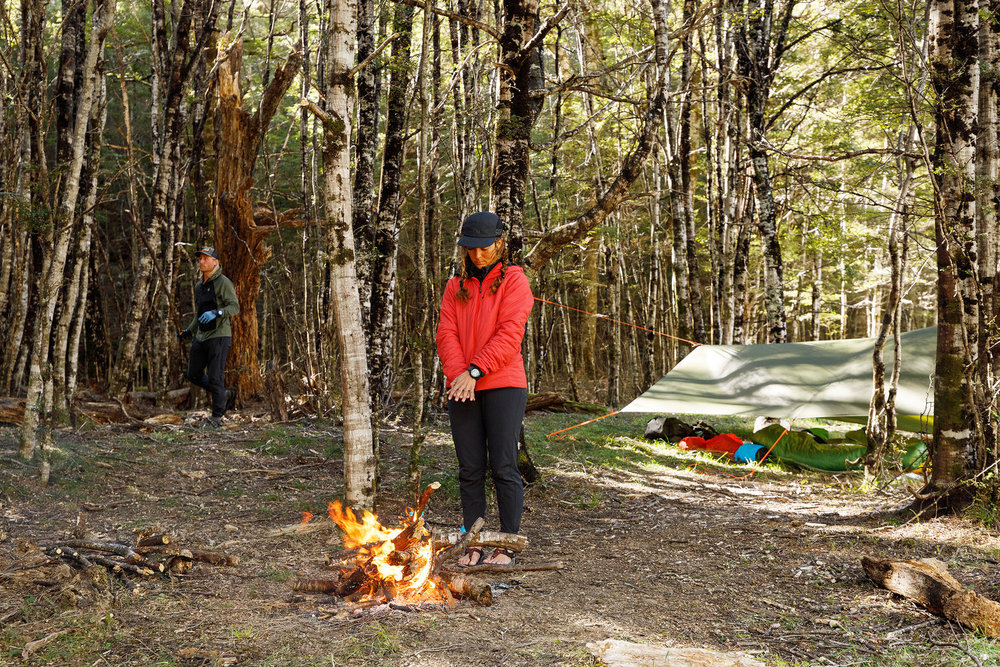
(183, 333)
(209, 315)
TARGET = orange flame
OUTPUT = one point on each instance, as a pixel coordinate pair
(410, 581)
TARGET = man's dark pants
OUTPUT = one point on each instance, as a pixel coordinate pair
(205, 369)
(486, 431)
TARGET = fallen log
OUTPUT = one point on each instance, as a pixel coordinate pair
(468, 587)
(123, 550)
(486, 538)
(489, 567)
(11, 410)
(209, 557)
(544, 400)
(144, 540)
(101, 412)
(315, 585)
(927, 582)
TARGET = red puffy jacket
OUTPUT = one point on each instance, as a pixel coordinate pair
(486, 330)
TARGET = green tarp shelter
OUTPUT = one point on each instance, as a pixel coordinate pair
(829, 379)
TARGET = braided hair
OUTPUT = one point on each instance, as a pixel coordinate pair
(502, 254)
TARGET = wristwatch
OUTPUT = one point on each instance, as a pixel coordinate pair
(475, 372)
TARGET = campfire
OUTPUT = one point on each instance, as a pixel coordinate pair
(407, 564)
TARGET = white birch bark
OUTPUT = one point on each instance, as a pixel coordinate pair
(344, 300)
(53, 279)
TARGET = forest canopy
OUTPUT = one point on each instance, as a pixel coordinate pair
(744, 171)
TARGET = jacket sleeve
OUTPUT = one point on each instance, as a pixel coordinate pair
(226, 299)
(449, 349)
(512, 316)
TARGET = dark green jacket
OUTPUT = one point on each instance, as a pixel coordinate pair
(217, 293)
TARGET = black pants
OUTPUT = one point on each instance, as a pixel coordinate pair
(486, 430)
(205, 368)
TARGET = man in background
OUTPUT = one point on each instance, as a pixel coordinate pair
(216, 302)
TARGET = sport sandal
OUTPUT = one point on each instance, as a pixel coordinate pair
(475, 556)
(501, 551)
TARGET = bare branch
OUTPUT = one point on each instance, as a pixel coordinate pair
(488, 29)
(381, 47)
(546, 27)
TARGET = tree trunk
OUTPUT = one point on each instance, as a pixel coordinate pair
(71, 318)
(56, 254)
(631, 166)
(343, 297)
(386, 237)
(954, 75)
(366, 146)
(760, 45)
(176, 68)
(239, 243)
(519, 70)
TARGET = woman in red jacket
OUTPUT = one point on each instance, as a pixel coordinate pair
(483, 315)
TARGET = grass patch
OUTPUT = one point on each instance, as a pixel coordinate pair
(81, 639)
(289, 441)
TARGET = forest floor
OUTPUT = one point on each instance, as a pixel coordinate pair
(663, 547)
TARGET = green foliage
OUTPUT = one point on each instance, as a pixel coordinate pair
(985, 506)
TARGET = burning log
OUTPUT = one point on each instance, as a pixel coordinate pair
(405, 565)
(400, 558)
(352, 582)
(424, 497)
(412, 533)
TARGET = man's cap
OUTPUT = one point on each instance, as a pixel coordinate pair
(481, 230)
(208, 250)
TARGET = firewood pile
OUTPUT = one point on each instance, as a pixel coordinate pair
(150, 554)
(409, 565)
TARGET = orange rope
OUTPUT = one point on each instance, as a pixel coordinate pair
(589, 421)
(756, 465)
(611, 319)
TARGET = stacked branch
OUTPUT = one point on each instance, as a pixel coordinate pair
(359, 580)
(150, 554)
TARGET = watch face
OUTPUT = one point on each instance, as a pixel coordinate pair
(476, 373)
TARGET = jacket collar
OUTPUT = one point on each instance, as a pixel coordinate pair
(213, 275)
(480, 274)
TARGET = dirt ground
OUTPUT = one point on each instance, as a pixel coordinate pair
(663, 547)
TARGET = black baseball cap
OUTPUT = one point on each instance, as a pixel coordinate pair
(208, 250)
(481, 230)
